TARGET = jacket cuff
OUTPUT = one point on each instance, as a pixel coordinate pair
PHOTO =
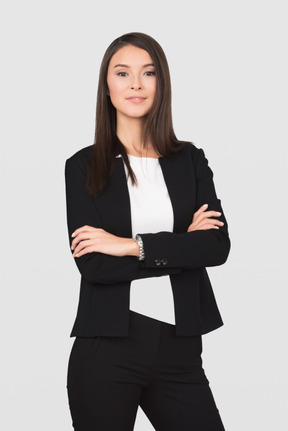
(155, 254)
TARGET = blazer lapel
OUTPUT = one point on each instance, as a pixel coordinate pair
(114, 203)
(179, 179)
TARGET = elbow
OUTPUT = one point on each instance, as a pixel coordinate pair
(217, 248)
(93, 277)
(224, 251)
(89, 268)
(88, 275)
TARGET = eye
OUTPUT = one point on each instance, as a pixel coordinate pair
(122, 73)
(150, 73)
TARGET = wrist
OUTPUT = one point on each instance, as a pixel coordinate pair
(139, 241)
(134, 249)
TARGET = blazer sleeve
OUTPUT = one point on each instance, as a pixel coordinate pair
(98, 267)
(200, 248)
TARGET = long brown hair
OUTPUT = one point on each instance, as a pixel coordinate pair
(158, 125)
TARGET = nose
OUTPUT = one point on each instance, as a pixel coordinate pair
(136, 84)
(136, 87)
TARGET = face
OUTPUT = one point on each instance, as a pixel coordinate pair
(131, 82)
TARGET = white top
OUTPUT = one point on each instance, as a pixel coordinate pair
(151, 212)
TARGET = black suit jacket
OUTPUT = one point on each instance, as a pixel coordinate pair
(105, 280)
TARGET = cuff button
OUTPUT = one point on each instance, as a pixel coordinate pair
(157, 262)
(164, 261)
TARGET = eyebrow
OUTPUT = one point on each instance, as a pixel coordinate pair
(125, 65)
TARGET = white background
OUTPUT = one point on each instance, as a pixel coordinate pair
(228, 62)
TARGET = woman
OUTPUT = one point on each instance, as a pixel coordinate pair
(144, 221)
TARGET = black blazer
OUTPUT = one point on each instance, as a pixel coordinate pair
(105, 280)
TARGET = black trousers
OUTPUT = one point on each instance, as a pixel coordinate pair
(109, 377)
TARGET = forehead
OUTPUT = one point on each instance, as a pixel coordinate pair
(131, 56)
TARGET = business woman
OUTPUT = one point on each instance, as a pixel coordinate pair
(144, 221)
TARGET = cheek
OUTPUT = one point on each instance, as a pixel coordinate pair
(152, 88)
(116, 94)
(115, 88)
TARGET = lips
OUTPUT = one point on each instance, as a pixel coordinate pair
(136, 99)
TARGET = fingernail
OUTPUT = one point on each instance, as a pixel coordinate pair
(205, 205)
(73, 234)
(218, 213)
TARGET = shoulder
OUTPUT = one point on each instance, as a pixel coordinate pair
(80, 158)
(189, 149)
(194, 157)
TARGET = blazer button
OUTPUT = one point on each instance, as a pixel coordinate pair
(164, 261)
(157, 262)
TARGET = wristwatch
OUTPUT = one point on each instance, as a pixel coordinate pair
(139, 241)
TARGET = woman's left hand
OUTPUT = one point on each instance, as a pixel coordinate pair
(88, 239)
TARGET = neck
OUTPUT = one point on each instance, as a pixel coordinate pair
(129, 131)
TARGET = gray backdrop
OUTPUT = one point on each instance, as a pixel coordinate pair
(228, 62)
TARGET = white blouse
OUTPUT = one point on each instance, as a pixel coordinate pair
(151, 212)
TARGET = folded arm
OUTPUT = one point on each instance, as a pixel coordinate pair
(203, 247)
(98, 267)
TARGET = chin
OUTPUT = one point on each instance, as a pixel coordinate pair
(135, 114)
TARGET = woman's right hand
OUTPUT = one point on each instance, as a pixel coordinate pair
(202, 220)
